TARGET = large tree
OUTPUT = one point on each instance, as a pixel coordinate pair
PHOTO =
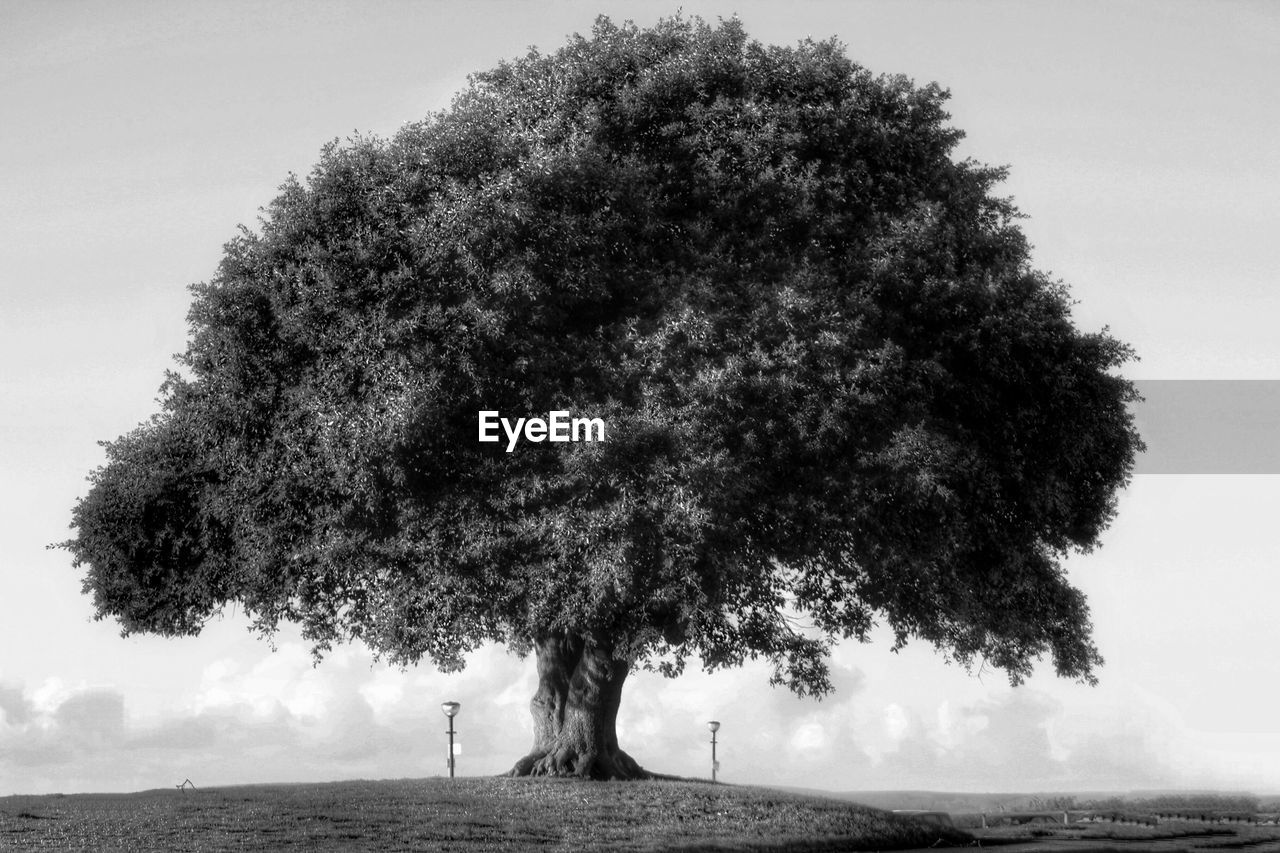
(836, 393)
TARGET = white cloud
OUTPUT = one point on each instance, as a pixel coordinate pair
(285, 678)
(384, 693)
(810, 737)
(276, 717)
(896, 722)
(49, 695)
(953, 728)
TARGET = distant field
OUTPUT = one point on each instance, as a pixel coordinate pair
(1167, 837)
(469, 815)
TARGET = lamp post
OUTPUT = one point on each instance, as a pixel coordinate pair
(450, 709)
(714, 725)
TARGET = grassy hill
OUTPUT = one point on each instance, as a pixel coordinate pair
(469, 815)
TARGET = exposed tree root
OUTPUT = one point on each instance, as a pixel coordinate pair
(566, 761)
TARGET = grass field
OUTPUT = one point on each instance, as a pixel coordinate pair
(1166, 837)
(470, 815)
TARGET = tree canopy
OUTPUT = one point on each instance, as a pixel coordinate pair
(837, 392)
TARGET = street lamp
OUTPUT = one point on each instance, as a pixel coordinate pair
(450, 710)
(714, 725)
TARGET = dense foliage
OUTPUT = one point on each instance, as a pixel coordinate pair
(836, 391)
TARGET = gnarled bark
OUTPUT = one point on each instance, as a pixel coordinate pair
(575, 711)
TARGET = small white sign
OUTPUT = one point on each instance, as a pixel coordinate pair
(457, 749)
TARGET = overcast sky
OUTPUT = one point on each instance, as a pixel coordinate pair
(1142, 141)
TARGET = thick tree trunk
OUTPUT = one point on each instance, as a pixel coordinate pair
(575, 711)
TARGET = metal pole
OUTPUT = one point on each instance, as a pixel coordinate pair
(451, 747)
(713, 755)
